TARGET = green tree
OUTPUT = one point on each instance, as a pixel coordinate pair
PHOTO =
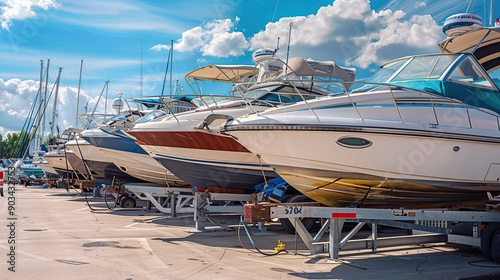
(1, 147)
(10, 146)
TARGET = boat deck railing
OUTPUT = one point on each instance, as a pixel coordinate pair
(399, 97)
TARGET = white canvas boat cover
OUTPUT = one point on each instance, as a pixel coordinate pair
(488, 52)
(223, 73)
(303, 67)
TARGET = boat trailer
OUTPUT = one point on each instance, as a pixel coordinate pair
(170, 200)
(480, 229)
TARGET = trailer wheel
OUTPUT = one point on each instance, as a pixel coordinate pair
(127, 202)
(102, 191)
(489, 231)
(495, 248)
(307, 222)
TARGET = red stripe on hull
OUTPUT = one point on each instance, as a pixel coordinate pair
(188, 139)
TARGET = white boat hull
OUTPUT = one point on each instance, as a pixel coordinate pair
(204, 160)
(144, 167)
(100, 165)
(336, 175)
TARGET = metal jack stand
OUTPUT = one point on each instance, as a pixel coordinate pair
(203, 206)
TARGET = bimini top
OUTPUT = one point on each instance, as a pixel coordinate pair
(484, 43)
(222, 73)
(307, 67)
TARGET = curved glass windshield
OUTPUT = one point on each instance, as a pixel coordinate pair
(386, 71)
(284, 93)
(151, 116)
(458, 76)
(120, 117)
(426, 67)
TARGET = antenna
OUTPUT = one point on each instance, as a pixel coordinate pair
(288, 49)
(491, 12)
(277, 46)
(140, 84)
(78, 93)
(468, 6)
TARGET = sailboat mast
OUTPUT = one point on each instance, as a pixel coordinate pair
(171, 66)
(78, 94)
(140, 89)
(39, 136)
(166, 71)
(106, 103)
(54, 110)
(100, 96)
(45, 102)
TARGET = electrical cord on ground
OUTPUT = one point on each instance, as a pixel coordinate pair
(90, 207)
(251, 240)
(105, 192)
(99, 210)
(217, 224)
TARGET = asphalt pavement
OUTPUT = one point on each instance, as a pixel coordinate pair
(53, 234)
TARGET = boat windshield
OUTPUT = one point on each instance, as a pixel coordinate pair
(125, 116)
(279, 94)
(386, 71)
(210, 100)
(425, 67)
(151, 116)
(458, 76)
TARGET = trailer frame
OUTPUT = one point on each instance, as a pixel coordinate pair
(430, 225)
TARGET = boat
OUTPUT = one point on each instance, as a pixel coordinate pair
(97, 164)
(423, 131)
(217, 162)
(66, 163)
(126, 154)
(50, 172)
(29, 169)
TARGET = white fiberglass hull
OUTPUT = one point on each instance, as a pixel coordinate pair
(214, 168)
(100, 165)
(204, 160)
(394, 170)
(47, 168)
(144, 167)
(450, 158)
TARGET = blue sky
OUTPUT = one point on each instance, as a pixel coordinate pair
(112, 36)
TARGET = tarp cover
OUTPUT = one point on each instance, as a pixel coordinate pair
(303, 67)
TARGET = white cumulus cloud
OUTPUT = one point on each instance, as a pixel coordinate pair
(159, 47)
(350, 32)
(11, 10)
(217, 38)
(18, 96)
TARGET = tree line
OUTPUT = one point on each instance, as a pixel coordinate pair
(15, 145)
(10, 145)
